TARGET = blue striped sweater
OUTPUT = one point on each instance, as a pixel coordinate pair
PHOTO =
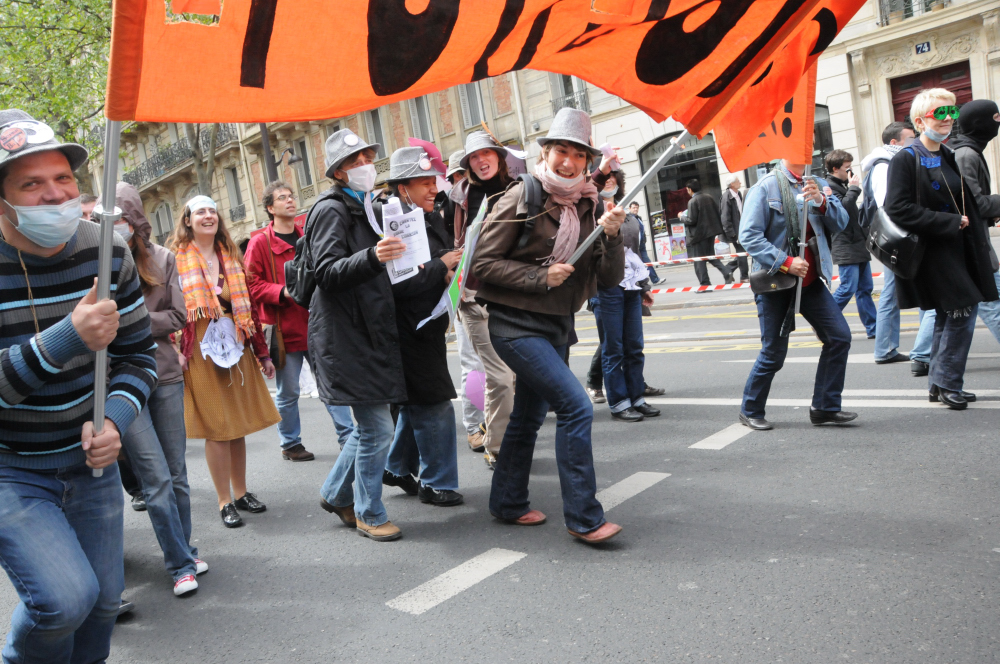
(47, 379)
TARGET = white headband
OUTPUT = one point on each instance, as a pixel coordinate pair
(199, 202)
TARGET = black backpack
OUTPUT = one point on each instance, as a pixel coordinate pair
(869, 206)
(533, 199)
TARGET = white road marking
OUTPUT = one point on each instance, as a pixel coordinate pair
(445, 586)
(616, 494)
(719, 440)
(847, 404)
(908, 393)
(857, 358)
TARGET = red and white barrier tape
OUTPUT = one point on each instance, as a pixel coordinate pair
(681, 261)
(702, 289)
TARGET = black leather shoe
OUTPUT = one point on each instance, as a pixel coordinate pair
(404, 482)
(755, 423)
(445, 498)
(628, 415)
(954, 400)
(249, 503)
(898, 357)
(653, 391)
(230, 517)
(831, 416)
(647, 410)
(139, 503)
(918, 368)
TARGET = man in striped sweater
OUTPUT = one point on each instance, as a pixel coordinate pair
(61, 539)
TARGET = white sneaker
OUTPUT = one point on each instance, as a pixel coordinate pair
(185, 584)
(314, 394)
(200, 565)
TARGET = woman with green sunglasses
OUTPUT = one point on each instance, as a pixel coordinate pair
(927, 196)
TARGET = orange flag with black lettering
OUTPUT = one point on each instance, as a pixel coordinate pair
(789, 134)
(297, 60)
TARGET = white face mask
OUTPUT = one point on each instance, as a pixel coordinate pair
(936, 136)
(48, 225)
(124, 230)
(569, 183)
(609, 194)
(361, 178)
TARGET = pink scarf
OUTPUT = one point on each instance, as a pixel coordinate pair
(569, 222)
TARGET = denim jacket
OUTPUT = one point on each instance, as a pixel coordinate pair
(762, 225)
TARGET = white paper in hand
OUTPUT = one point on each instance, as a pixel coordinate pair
(219, 343)
(411, 229)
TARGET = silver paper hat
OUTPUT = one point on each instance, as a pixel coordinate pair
(455, 163)
(572, 126)
(409, 163)
(341, 145)
(480, 140)
(21, 134)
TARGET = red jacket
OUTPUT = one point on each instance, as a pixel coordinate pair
(266, 286)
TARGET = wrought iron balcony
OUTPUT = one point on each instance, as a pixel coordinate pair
(170, 157)
(577, 100)
(894, 11)
(238, 213)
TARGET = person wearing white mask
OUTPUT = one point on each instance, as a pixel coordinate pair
(352, 331)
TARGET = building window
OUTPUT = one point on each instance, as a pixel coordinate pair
(305, 172)
(163, 223)
(141, 152)
(822, 140)
(373, 123)
(570, 92)
(172, 131)
(420, 118)
(331, 129)
(233, 187)
(472, 105)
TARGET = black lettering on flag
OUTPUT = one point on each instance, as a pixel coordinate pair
(508, 20)
(257, 42)
(827, 30)
(534, 39)
(402, 46)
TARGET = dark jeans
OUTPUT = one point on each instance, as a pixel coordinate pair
(595, 376)
(822, 312)
(706, 248)
(542, 379)
(621, 347)
(950, 350)
(425, 445)
(737, 248)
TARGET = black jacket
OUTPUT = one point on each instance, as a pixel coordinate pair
(704, 219)
(353, 336)
(730, 216)
(425, 351)
(849, 244)
(955, 272)
(977, 176)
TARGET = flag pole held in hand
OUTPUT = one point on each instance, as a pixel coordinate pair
(806, 175)
(675, 147)
(108, 214)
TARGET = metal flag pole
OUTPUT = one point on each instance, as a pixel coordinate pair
(112, 140)
(802, 238)
(673, 149)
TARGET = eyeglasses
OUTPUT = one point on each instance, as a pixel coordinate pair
(942, 112)
(284, 197)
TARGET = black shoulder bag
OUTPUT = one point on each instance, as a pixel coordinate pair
(897, 249)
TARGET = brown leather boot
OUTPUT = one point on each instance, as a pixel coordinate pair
(346, 513)
(383, 533)
(297, 453)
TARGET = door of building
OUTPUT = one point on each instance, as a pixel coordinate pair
(955, 77)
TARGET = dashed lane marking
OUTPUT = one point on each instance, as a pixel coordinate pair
(721, 439)
(445, 586)
(616, 494)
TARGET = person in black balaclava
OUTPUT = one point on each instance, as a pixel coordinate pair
(979, 124)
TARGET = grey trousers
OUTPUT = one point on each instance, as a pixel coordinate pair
(499, 378)
(472, 417)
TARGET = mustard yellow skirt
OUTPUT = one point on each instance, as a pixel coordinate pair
(224, 404)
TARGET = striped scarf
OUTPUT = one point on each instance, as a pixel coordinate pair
(200, 299)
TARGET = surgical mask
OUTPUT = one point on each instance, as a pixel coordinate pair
(361, 178)
(48, 225)
(609, 194)
(124, 230)
(568, 183)
(935, 136)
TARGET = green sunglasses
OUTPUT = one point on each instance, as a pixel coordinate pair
(942, 112)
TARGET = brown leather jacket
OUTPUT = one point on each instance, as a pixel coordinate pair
(515, 277)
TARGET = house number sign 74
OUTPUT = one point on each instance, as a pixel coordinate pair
(923, 47)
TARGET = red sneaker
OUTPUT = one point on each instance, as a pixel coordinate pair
(185, 584)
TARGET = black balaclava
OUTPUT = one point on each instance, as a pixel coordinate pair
(977, 122)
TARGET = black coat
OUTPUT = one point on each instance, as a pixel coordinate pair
(849, 244)
(704, 219)
(955, 272)
(353, 338)
(425, 351)
(730, 217)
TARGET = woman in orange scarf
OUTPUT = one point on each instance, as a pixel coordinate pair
(226, 399)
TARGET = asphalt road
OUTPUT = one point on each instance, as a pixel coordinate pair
(876, 542)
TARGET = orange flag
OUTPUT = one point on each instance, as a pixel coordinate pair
(789, 134)
(297, 60)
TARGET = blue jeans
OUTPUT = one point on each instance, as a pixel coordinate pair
(61, 534)
(950, 350)
(925, 337)
(621, 348)
(822, 312)
(990, 311)
(542, 379)
(362, 459)
(287, 401)
(155, 445)
(425, 445)
(856, 281)
(887, 320)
